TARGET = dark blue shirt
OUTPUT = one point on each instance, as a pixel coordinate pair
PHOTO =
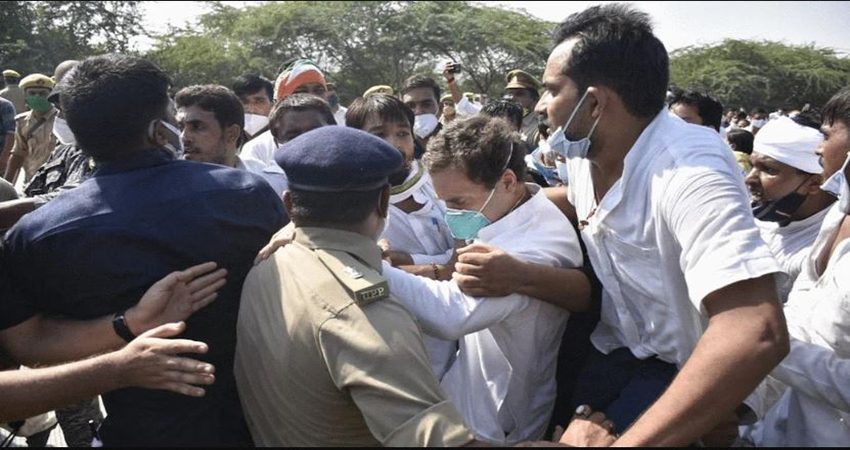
(95, 250)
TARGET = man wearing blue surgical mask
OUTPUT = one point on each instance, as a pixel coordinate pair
(689, 303)
(503, 379)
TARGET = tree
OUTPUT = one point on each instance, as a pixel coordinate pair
(36, 36)
(769, 74)
(359, 43)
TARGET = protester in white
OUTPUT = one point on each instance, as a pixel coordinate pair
(338, 110)
(668, 228)
(789, 205)
(806, 400)
(416, 237)
(503, 380)
(300, 77)
(289, 118)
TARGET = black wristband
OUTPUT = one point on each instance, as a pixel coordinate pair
(119, 324)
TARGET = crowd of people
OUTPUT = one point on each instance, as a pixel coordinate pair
(597, 258)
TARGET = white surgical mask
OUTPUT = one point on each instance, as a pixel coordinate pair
(559, 143)
(255, 123)
(759, 123)
(563, 172)
(837, 186)
(424, 125)
(63, 132)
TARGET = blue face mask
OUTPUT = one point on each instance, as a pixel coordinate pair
(567, 148)
(465, 224)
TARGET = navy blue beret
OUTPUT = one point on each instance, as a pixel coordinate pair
(336, 159)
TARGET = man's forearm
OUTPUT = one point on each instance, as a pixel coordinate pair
(565, 288)
(15, 163)
(27, 393)
(456, 94)
(41, 341)
(734, 355)
(11, 211)
(7, 150)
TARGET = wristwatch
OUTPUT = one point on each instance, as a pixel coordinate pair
(119, 324)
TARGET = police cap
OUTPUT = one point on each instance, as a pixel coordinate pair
(36, 80)
(520, 79)
(338, 159)
(9, 73)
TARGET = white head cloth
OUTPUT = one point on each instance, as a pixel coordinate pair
(790, 143)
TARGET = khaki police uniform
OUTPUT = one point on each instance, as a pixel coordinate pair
(519, 79)
(327, 357)
(34, 139)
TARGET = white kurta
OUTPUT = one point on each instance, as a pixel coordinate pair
(339, 116)
(424, 235)
(503, 380)
(261, 148)
(273, 174)
(806, 400)
(674, 228)
(791, 245)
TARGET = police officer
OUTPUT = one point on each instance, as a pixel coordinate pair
(12, 91)
(525, 90)
(326, 356)
(34, 138)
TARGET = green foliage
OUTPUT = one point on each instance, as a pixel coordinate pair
(769, 74)
(35, 36)
(359, 43)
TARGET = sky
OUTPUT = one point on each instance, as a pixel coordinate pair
(677, 24)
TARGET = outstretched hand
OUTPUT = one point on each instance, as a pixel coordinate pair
(176, 297)
(150, 361)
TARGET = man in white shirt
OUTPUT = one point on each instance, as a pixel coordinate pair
(300, 77)
(211, 119)
(256, 93)
(806, 400)
(788, 204)
(333, 101)
(417, 238)
(688, 282)
(503, 380)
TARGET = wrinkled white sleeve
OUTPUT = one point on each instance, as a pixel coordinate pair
(443, 310)
(442, 258)
(707, 210)
(817, 372)
(466, 108)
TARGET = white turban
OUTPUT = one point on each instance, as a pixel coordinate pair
(790, 143)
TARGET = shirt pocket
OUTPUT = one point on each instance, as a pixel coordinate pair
(638, 271)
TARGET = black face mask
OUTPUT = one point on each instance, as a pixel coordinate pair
(781, 210)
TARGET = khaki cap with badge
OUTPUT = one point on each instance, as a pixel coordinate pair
(520, 79)
(380, 89)
(36, 80)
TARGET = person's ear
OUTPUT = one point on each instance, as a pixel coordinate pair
(599, 99)
(384, 203)
(232, 133)
(287, 203)
(509, 179)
